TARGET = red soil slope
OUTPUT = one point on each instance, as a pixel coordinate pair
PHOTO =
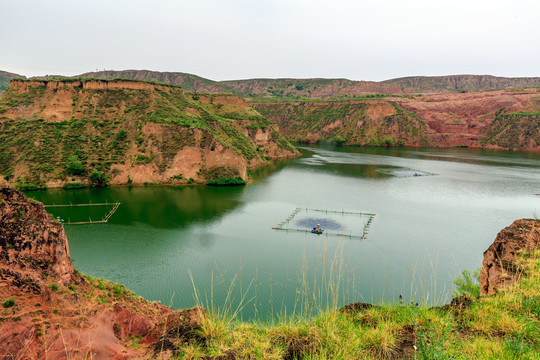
(463, 118)
(51, 311)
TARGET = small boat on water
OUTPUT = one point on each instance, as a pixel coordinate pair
(317, 229)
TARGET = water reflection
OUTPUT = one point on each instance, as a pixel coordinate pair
(165, 207)
(272, 168)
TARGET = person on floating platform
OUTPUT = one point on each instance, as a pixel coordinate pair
(317, 229)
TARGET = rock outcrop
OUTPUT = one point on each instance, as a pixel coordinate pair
(499, 268)
(51, 311)
(31, 241)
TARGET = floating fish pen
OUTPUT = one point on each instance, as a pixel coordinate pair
(352, 224)
(405, 172)
(103, 220)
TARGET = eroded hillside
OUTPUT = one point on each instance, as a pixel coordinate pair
(369, 122)
(505, 119)
(73, 133)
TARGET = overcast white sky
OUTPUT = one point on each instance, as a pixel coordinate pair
(240, 39)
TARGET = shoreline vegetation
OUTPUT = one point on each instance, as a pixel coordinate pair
(24, 186)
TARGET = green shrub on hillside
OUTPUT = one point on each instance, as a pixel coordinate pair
(122, 135)
(8, 303)
(219, 172)
(143, 159)
(98, 178)
(258, 124)
(6, 161)
(74, 166)
(338, 140)
(26, 187)
(31, 183)
(176, 177)
(389, 141)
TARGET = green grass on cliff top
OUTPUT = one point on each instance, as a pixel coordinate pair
(68, 80)
(345, 97)
(504, 326)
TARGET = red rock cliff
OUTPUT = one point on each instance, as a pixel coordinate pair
(26, 85)
(50, 311)
(31, 239)
(499, 269)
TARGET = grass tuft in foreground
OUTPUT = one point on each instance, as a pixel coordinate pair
(503, 326)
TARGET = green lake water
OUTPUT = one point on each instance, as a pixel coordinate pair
(216, 246)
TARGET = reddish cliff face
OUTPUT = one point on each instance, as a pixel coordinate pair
(499, 268)
(50, 311)
(462, 119)
(25, 86)
(32, 241)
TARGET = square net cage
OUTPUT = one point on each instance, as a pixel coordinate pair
(353, 224)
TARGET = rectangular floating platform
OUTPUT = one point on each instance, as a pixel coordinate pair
(104, 220)
(352, 224)
(325, 233)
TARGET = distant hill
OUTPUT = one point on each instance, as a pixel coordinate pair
(455, 110)
(5, 78)
(290, 89)
(188, 82)
(461, 83)
(339, 88)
